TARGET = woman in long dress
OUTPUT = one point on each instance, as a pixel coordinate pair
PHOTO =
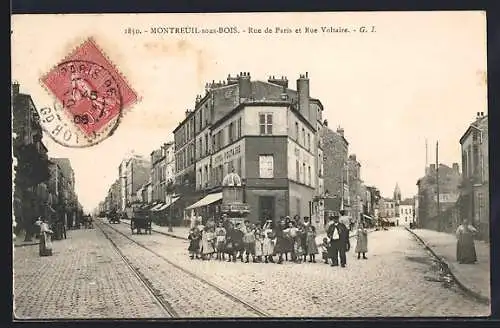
(45, 246)
(311, 247)
(362, 241)
(466, 251)
(268, 242)
(207, 243)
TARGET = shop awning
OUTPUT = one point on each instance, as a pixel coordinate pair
(367, 217)
(156, 207)
(207, 200)
(165, 206)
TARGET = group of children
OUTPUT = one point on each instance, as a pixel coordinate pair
(296, 238)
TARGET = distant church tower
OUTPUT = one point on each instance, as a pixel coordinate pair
(397, 194)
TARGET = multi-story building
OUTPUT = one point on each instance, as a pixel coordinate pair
(62, 190)
(387, 209)
(372, 201)
(159, 172)
(406, 211)
(138, 170)
(32, 163)
(474, 189)
(263, 131)
(133, 173)
(335, 173)
(113, 196)
(355, 184)
(446, 180)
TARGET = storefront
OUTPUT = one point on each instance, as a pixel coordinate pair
(208, 208)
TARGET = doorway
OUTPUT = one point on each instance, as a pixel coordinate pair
(266, 208)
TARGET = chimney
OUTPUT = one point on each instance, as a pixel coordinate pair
(283, 81)
(244, 85)
(432, 168)
(187, 112)
(231, 79)
(340, 131)
(325, 123)
(303, 92)
(455, 168)
(15, 89)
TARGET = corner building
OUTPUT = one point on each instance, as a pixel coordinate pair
(265, 132)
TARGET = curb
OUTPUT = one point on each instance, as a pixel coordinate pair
(478, 296)
(161, 232)
(27, 244)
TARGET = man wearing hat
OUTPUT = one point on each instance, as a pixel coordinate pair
(339, 241)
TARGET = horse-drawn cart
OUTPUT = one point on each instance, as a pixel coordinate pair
(140, 220)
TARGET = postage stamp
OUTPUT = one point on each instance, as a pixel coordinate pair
(90, 96)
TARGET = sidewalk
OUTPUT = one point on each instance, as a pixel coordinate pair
(183, 232)
(177, 232)
(474, 278)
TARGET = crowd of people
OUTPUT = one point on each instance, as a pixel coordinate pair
(286, 240)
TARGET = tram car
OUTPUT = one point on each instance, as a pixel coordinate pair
(140, 220)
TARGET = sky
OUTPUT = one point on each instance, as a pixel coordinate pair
(419, 76)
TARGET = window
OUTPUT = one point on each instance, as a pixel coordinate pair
(304, 173)
(266, 123)
(240, 169)
(297, 171)
(231, 132)
(296, 131)
(309, 141)
(309, 175)
(266, 166)
(206, 144)
(201, 119)
(303, 137)
(239, 128)
(200, 151)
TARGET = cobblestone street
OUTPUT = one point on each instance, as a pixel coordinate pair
(399, 279)
(85, 278)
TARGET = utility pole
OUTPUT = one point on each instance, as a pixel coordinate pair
(437, 186)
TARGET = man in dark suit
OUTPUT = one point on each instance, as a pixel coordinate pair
(339, 241)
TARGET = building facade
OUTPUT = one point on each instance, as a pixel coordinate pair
(355, 185)
(449, 179)
(474, 189)
(335, 174)
(64, 201)
(162, 171)
(31, 162)
(406, 213)
(266, 133)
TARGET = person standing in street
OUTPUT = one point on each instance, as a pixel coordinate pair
(311, 247)
(45, 246)
(362, 240)
(268, 242)
(466, 250)
(248, 241)
(339, 242)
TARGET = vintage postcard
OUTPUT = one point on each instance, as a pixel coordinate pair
(250, 165)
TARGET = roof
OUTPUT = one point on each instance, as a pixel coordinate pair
(474, 126)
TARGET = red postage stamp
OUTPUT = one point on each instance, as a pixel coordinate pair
(92, 94)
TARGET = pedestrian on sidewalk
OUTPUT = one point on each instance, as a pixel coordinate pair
(466, 250)
(45, 245)
(281, 243)
(339, 242)
(362, 240)
(311, 247)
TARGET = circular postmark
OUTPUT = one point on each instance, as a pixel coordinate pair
(88, 104)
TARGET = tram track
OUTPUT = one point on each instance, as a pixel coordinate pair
(166, 305)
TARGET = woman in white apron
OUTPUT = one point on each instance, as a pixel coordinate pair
(45, 246)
